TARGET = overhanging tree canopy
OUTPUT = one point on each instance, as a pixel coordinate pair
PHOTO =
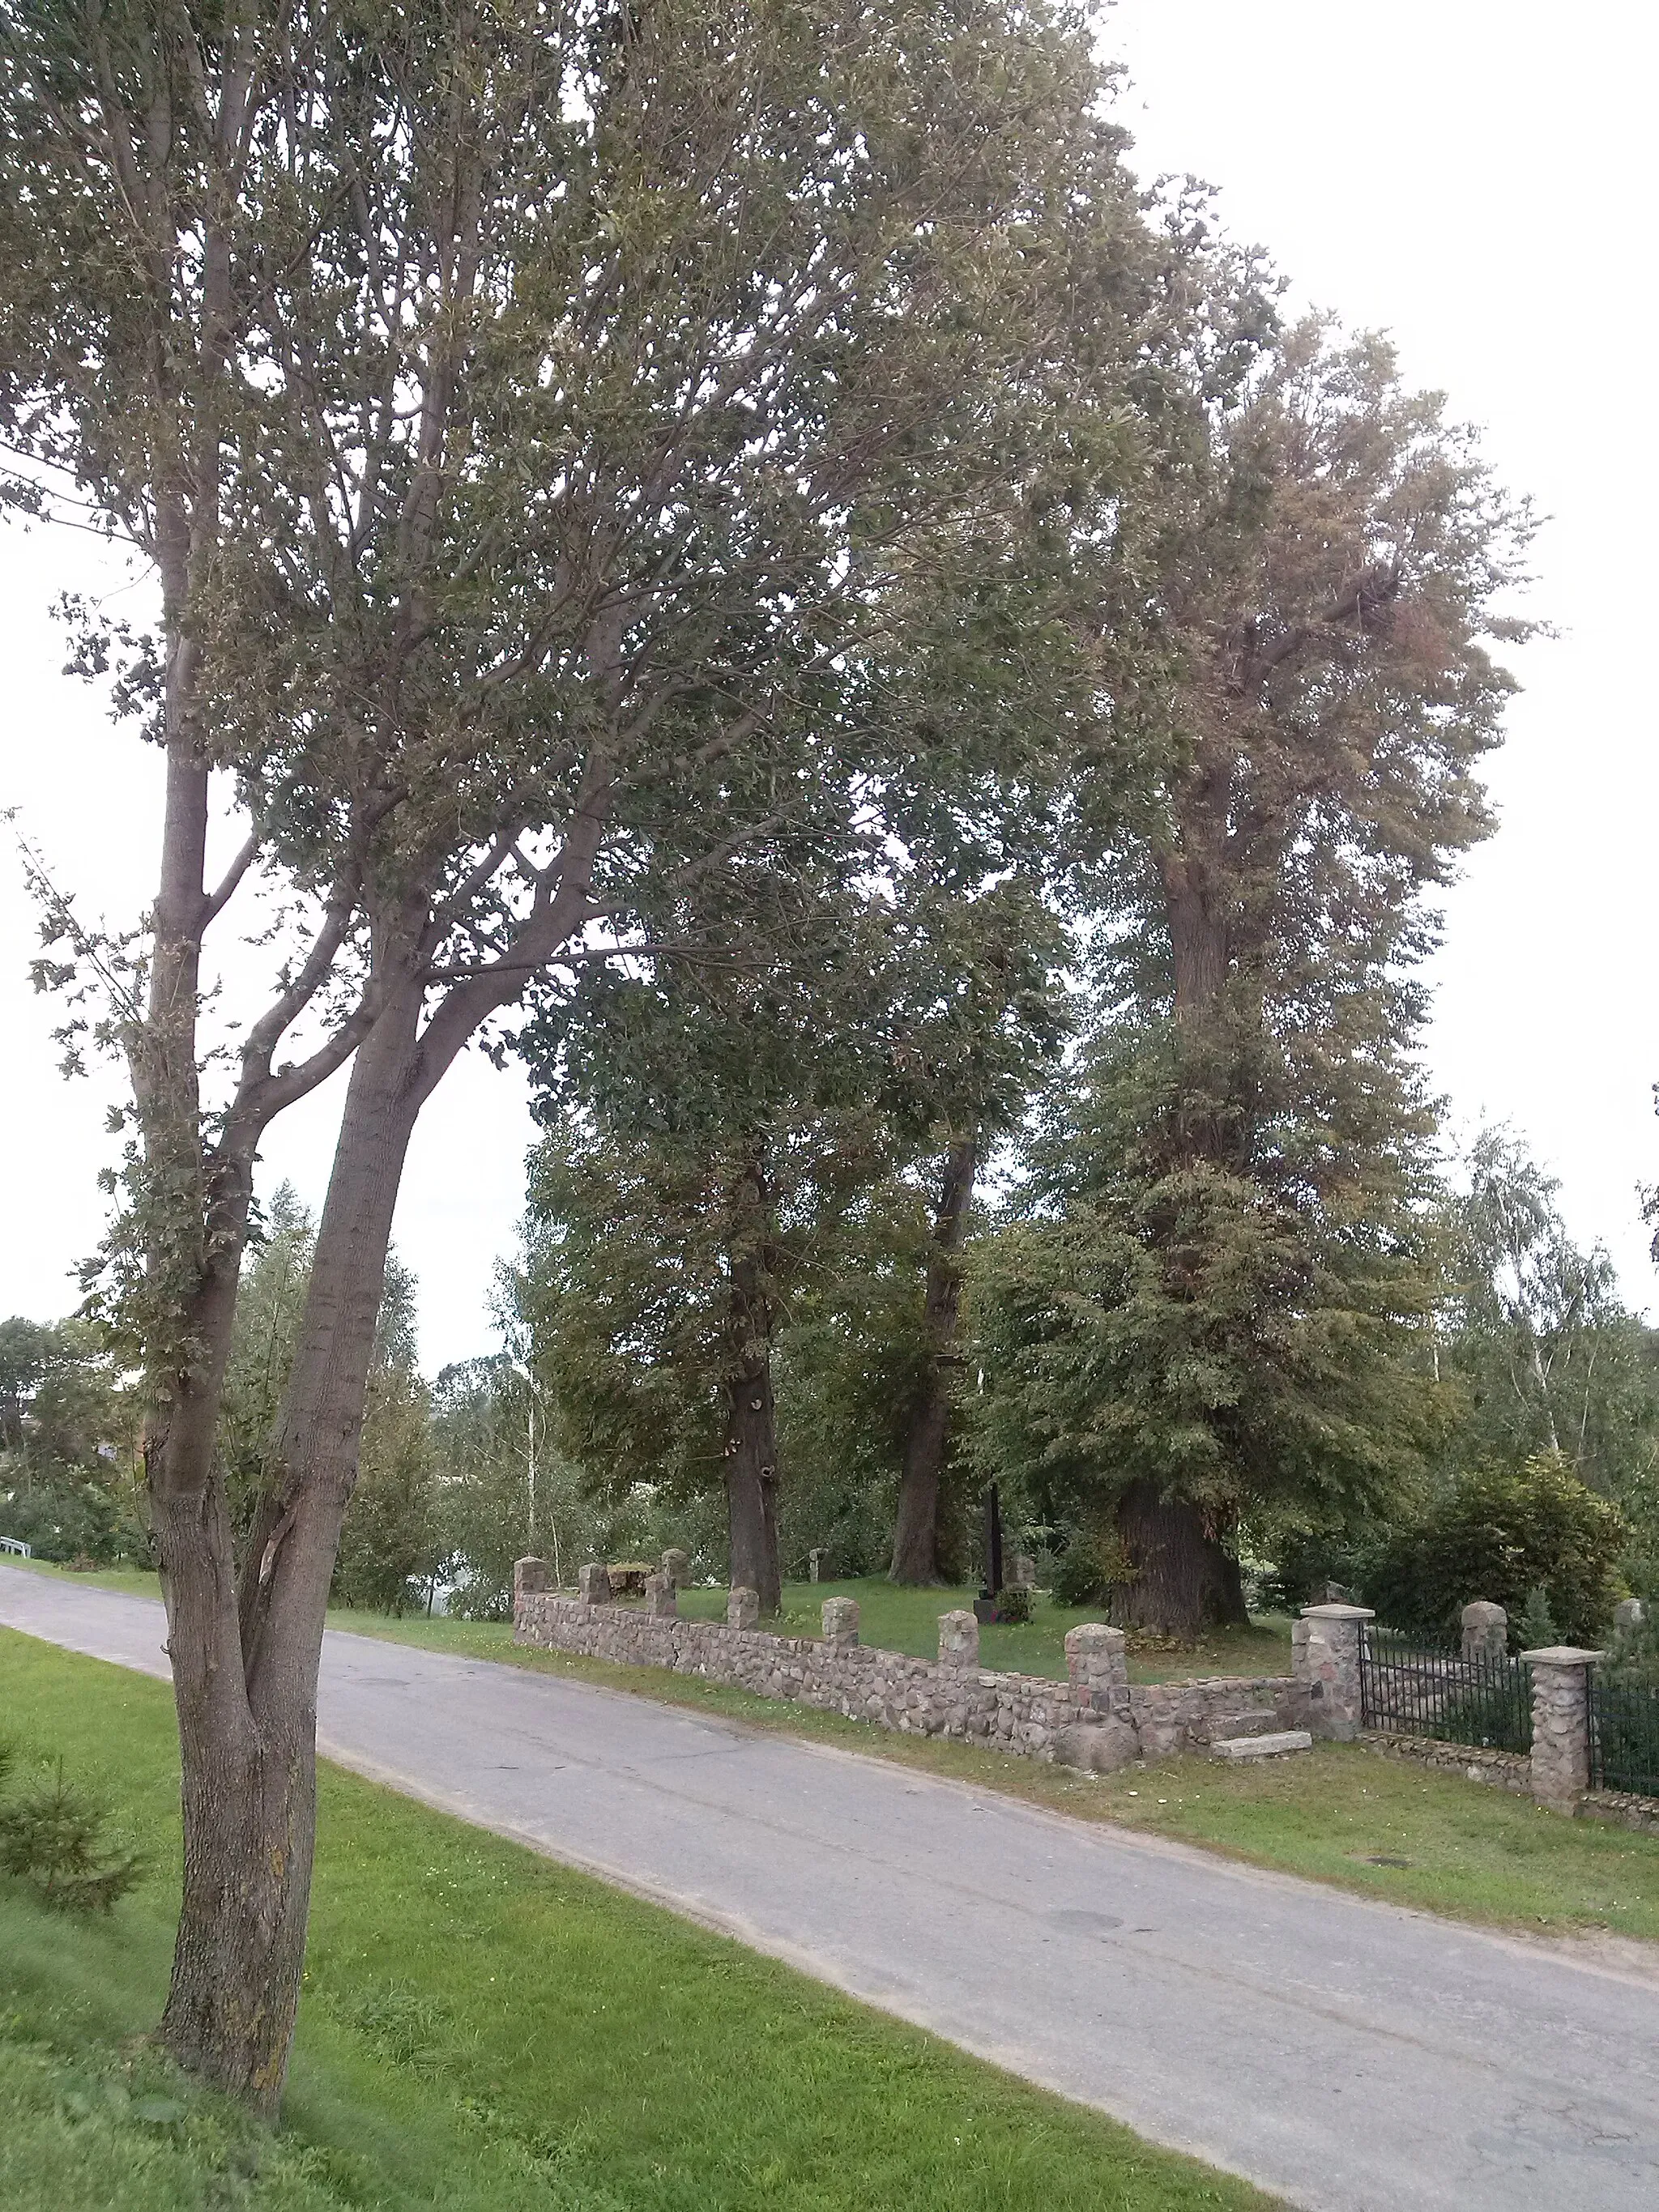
(522, 410)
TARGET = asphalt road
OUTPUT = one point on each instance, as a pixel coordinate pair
(1350, 2056)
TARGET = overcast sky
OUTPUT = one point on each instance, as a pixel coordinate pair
(1471, 176)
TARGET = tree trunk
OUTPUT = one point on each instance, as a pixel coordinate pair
(1183, 1581)
(247, 1689)
(752, 1482)
(917, 1527)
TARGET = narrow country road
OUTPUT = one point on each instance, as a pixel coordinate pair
(1350, 2056)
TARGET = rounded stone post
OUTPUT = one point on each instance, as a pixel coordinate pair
(1325, 1660)
(958, 1642)
(593, 1583)
(662, 1600)
(1560, 1723)
(1485, 1631)
(840, 1623)
(1097, 1666)
(742, 1607)
(529, 1576)
(677, 1566)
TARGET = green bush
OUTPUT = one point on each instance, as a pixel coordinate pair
(1501, 1533)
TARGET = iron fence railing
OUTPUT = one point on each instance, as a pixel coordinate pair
(1414, 1688)
(1624, 1732)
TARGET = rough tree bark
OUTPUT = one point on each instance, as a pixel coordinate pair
(751, 1441)
(916, 1526)
(1184, 1581)
(751, 1481)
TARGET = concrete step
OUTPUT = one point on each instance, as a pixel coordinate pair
(1261, 1747)
(1256, 1722)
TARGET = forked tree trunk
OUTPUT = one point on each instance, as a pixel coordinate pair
(916, 1526)
(248, 1727)
(1184, 1580)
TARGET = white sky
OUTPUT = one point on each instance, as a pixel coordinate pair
(1470, 175)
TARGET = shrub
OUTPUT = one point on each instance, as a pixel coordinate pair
(53, 1835)
(1536, 1627)
(1501, 1533)
(1015, 1604)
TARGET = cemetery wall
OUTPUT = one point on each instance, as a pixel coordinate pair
(1018, 1713)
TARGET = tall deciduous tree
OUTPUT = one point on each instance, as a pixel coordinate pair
(517, 405)
(1218, 1317)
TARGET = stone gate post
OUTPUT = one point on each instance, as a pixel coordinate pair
(1098, 1667)
(1485, 1631)
(1325, 1660)
(1560, 1723)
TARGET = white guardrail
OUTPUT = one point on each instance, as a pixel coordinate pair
(14, 1544)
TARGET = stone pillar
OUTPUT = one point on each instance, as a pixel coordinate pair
(662, 1600)
(840, 1623)
(529, 1576)
(1628, 1614)
(1025, 1572)
(1485, 1631)
(742, 1607)
(1560, 1723)
(815, 1564)
(677, 1566)
(958, 1642)
(1097, 1666)
(1325, 1660)
(593, 1583)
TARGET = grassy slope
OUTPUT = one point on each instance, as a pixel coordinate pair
(1473, 1852)
(482, 2028)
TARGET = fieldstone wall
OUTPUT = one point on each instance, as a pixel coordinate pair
(952, 1696)
(1504, 1770)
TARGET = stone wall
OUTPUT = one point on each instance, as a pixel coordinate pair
(1504, 1770)
(951, 1696)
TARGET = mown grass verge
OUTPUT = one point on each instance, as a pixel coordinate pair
(481, 2028)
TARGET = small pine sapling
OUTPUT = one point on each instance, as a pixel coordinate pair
(1537, 1629)
(52, 1835)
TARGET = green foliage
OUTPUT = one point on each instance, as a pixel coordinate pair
(54, 1835)
(1536, 1628)
(1499, 1533)
(68, 1482)
(1541, 1351)
(1632, 1654)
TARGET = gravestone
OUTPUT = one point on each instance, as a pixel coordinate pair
(677, 1566)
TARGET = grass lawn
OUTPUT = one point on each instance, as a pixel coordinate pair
(481, 2028)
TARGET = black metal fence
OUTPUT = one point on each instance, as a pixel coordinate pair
(1624, 1723)
(1413, 1688)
